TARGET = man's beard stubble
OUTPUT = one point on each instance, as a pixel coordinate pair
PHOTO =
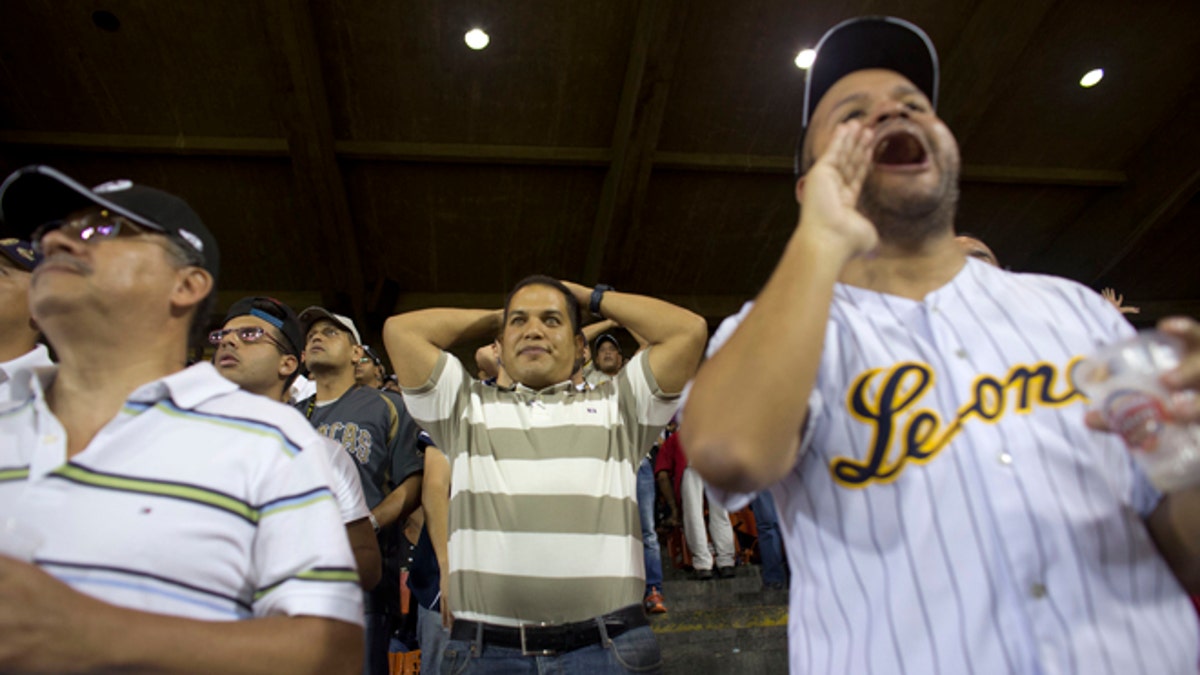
(909, 220)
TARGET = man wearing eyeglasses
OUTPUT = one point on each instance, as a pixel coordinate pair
(258, 348)
(19, 348)
(174, 522)
(369, 370)
(375, 429)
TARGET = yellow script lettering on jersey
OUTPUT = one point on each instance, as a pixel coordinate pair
(903, 433)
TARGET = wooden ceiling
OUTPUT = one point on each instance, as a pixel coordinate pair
(358, 154)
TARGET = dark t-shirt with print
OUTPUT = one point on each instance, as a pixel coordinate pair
(376, 429)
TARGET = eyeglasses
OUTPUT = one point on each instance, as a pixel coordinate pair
(248, 335)
(101, 224)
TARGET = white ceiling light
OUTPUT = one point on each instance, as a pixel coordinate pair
(805, 58)
(476, 39)
(1092, 77)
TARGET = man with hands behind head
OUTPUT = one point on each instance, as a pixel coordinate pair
(544, 551)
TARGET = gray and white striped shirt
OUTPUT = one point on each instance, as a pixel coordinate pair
(544, 524)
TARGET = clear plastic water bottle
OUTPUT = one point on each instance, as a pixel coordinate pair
(1123, 383)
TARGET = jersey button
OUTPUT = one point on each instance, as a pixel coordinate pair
(960, 353)
(1038, 590)
(1005, 458)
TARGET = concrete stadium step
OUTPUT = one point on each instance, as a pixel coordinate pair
(722, 626)
(723, 641)
(741, 591)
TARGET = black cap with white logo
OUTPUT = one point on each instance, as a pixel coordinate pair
(38, 194)
(869, 42)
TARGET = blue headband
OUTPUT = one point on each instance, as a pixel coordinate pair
(273, 320)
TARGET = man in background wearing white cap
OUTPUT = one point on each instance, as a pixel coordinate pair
(944, 506)
(375, 428)
(174, 522)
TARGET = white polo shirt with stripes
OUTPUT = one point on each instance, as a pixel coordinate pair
(34, 358)
(951, 514)
(544, 524)
(197, 500)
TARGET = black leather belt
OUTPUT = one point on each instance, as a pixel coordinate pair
(534, 640)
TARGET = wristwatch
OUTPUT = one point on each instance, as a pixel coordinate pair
(598, 295)
(374, 522)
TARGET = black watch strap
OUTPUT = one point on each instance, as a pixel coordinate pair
(598, 295)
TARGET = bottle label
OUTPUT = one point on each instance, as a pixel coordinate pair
(1139, 417)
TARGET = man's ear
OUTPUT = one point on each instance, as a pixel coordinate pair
(288, 364)
(193, 284)
(800, 190)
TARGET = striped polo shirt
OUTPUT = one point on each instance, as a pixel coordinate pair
(544, 525)
(196, 500)
(950, 512)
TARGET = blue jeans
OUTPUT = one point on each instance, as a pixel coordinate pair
(650, 552)
(770, 545)
(635, 651)
(376, 636)
(432, 638)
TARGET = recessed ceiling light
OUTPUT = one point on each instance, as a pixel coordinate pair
(805, 58)
(1092, 77)
(476, 39)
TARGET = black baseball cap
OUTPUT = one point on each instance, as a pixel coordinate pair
(373, 355)
(606, 337)
(273, 312)
(38, 194)
(869, 42)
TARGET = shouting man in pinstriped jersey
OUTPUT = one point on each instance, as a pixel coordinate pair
(944, 506)
(174, 522)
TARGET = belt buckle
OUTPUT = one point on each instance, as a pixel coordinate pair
(525, 651)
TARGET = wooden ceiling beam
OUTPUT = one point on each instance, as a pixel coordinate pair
(1111, 227)
(648, 75)
(979, 68)
(325, 208)
(971, 173)
(220, 146)
(517, 155)
(473, 154)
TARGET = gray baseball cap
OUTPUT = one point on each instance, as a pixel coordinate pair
(314, 314)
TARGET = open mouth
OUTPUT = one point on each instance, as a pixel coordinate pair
(901, 148)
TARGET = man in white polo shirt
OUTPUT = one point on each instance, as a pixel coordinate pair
(545, 557)
(175, 523)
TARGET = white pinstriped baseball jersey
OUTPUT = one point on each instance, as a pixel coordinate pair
(950, 512)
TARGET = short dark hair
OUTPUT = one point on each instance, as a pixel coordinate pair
(186, 256)
(198, 331)
(542, 280)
